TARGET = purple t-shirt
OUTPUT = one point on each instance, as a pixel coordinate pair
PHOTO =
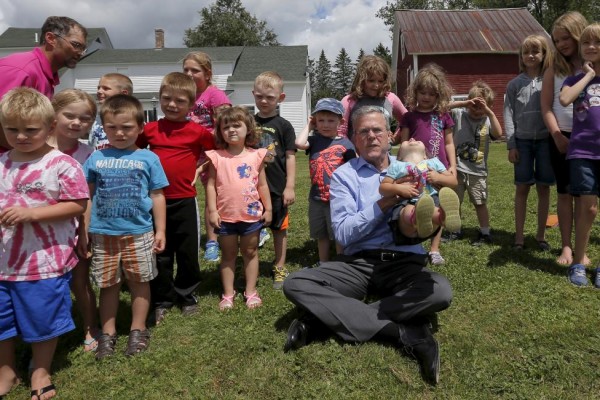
(31, 69)
(430, 128)
(585, 137)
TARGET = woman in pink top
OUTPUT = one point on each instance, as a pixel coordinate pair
(238, 199)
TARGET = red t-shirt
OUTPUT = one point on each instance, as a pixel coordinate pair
(178, 146)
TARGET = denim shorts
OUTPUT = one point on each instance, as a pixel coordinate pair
(36, 310)
(534, 164)
(238, 228)
(585, 174)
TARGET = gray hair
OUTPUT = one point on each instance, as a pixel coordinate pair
(364, 110)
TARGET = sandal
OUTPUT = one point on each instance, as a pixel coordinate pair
(226, 302)
(138, 341)
(253, 301)
(40, 392)
(106, 346)
(91, 344)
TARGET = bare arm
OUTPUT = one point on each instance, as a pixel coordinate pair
(211, 197)
(569, 94)
(265, 197)
(302, 138)
(289, 195)
(450, 150)
(406, 190)
(159, 214)
(62, 210)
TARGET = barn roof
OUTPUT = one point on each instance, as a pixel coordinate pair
(465, 31)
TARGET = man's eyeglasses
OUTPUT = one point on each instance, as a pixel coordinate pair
(364, 133)
(78, 47)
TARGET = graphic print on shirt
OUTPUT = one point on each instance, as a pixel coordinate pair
(582, 105)
(200, 114)
(267, 141)
(437, 135)
(245, 172)
(119, 188)
(322, 167)
(418, 173)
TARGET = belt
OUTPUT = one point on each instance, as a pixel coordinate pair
(382, 255)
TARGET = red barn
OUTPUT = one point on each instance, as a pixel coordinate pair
(468, 44)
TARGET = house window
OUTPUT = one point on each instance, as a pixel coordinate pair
(460, 97)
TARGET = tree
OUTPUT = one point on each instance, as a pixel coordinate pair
(361, 54)
(343, 74)
(383, 52)
(227, 23)
(323, 79)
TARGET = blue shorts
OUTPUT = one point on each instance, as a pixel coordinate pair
(36, 310)
(534, 164)
(239, 228)
(585, 175)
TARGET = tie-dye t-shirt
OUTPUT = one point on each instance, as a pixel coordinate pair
(39, 250)
(80, 153)
(237, 184)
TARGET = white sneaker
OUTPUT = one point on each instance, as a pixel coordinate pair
(435, 258)
(263, 237)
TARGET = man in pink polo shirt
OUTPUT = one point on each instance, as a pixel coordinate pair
(62, 44)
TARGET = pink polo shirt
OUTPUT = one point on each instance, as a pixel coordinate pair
(31, 69)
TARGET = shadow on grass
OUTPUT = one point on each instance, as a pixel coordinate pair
(530, 257)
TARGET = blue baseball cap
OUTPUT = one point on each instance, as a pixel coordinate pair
(329, 104)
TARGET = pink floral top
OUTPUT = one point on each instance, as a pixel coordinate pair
(39, 250)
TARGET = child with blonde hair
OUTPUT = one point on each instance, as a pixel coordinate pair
(527, 138)
(42, 193)
(75, 112)
(428, 97)
(109, 85)
(565, 61)
(372, 86)
(583, 90)
(475, 125)
(238, 200)
(209, 100)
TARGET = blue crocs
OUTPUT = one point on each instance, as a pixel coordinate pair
(577, 275)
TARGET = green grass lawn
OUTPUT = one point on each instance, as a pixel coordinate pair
(516, 330)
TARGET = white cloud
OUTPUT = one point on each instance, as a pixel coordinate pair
(320, 24)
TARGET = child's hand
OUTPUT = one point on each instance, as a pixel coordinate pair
(561, 142)
(289, 197)
(11, 216)
(433, 176)
(83, 246)
(513, 156)
(160, 242)
(199, 171)
(588, 68)
(408, 190)
(267, 217)
(214, 219)
(312, 124)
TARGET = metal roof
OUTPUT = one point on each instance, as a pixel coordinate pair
(465, 31)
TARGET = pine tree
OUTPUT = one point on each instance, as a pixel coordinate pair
(343, 74)
(323, 79)
(383, 52)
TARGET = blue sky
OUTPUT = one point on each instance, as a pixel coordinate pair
(327, 25)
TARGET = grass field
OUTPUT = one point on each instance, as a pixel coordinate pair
(516, 330)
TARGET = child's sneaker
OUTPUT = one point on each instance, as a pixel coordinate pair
(597, 278)
(451, 205)
(435, 258)
(212, 251)
(577, 275)
(423, 213)
(264, 236)
(482, 239)
(279, 275)
(451, 236)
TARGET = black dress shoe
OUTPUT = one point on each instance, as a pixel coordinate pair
(427, 353)
(297, 335)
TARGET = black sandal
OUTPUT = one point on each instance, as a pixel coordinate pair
(138, 342)
(45, 389)
(106, 346)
